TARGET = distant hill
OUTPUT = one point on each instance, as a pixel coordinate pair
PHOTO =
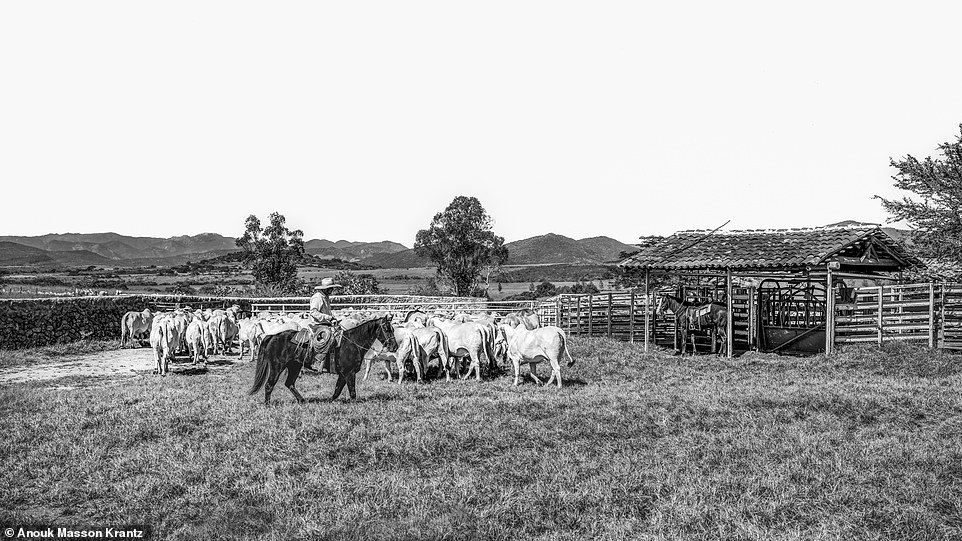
(14, 254)
(115, 247)
(351, 251)
(553, 248)
(398, 260)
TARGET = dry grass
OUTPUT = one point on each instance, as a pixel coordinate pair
(865, 445)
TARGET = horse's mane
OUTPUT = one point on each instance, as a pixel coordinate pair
(366, 323)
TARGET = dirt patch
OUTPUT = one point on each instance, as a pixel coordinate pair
(112, 364)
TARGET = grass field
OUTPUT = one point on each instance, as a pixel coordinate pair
(863, 445)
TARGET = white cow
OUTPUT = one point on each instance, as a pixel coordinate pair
(195, 339)
(134, 324)
(472, 340)
(536, 345)
(427, 343)
(250, 332)
(162, 342)
(223, 330)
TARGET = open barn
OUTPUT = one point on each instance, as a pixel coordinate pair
(775, 283)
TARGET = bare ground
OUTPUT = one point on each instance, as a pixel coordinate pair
(121, 363)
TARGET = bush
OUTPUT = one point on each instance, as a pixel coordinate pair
(357, 284)
(180, 289)
(429, 289)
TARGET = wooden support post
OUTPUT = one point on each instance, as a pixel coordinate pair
(647, 310)
(579, 314)
(557, 312)
(880, 301)
(631, 317)
(730, 341)
(942, 316)
(568, 311)
(591, 306)
(610, 300)
(931, 315)
(829, 311)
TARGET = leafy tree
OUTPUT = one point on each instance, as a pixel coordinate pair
(461, 242)
(272, 254)
(357, 284)
(935, 208)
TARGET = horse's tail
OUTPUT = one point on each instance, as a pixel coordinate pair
(564, 346)
(260, 371)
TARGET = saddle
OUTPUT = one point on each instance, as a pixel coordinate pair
(698, 317)
(320, 339)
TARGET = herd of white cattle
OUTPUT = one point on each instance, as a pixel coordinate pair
(447, 338)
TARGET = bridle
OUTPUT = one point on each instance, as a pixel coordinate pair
(380, 326)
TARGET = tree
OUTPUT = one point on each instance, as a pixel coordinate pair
(460, 241)
(935, 208)
(357, 284)
(272, 254)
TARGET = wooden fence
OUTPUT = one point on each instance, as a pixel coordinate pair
(620, 315)
(397, 304)
(929, 314)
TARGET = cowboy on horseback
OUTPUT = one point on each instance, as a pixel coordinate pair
(324, 322)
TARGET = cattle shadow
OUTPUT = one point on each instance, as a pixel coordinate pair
(220, 362)
(197, 370)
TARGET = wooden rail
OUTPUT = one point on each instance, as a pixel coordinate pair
(927, 313)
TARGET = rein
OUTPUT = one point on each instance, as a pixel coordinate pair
(359, 346)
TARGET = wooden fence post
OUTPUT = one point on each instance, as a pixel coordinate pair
(829, 311)
(942, 316)
(590, 310)
(880, 301)
(631, 317)
(579, 314)
(557, 312)
(610, 300)
(730, 326)
(647, 311)
(931, 315)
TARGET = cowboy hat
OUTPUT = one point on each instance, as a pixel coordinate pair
(326, 283)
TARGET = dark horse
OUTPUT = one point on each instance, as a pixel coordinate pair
(280, 351)
(713, 315)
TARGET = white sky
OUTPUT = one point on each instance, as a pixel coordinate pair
(360, 120)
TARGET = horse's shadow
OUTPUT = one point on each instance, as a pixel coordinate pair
(375, 397)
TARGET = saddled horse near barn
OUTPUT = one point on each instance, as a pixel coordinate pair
(291, 349)
(712, 316)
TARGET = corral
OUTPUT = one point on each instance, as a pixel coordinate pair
(782, 288)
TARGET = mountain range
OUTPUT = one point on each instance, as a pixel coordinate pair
(115, 250)
(112, 249)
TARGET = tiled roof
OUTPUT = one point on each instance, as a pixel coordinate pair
(762, 248)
